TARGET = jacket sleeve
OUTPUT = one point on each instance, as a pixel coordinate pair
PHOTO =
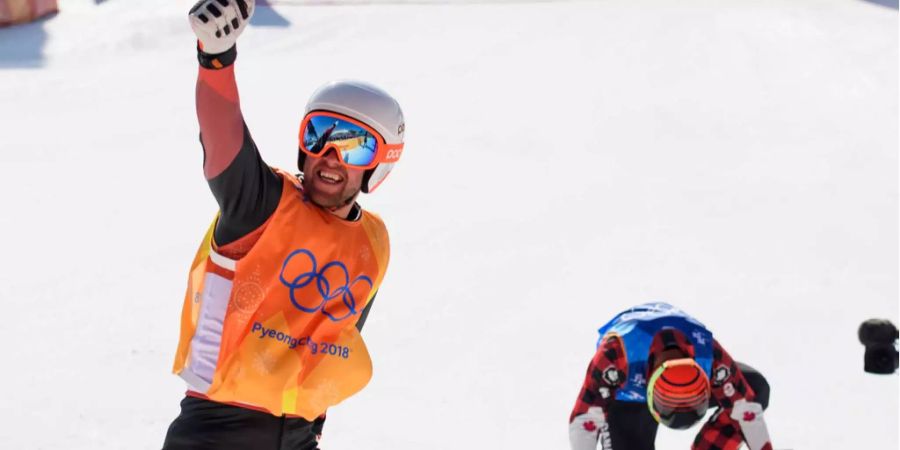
(365, 313)
(245, 188)
(588, 424)
(739, 418)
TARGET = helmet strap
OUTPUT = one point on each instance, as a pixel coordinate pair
(365, 180)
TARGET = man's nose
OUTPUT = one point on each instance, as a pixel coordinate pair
(332, 154)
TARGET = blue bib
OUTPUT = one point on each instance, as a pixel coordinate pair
(636, 328)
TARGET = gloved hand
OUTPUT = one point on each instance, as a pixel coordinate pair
(750, 417)
(218, 23)
(587, 429)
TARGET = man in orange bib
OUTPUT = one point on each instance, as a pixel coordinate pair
(287, 272)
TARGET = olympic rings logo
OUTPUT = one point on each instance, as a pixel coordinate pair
(332, 282)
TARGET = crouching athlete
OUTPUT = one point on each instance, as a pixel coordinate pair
(657, 365)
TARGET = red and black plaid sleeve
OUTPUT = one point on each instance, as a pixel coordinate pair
(721, 432)
(607, 371)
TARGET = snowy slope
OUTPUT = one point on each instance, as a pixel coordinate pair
(564, 160)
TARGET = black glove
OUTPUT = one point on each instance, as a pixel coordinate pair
(880, 338)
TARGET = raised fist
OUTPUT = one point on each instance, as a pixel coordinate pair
(218, 23)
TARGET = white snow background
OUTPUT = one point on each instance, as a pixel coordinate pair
(564, 160)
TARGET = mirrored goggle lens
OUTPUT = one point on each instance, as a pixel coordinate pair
(356, 145)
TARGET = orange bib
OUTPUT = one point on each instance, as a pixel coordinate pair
(276, 328)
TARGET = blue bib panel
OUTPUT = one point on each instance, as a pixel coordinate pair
(636, 328)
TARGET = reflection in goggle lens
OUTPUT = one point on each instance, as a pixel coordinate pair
(356, 145)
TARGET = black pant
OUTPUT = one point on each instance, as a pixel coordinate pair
(632, 427)
(203, 424)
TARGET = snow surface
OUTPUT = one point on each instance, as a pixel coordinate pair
(564, 160)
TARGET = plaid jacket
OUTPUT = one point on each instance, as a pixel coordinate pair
(609, 369)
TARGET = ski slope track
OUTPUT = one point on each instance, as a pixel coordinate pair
(564, 160)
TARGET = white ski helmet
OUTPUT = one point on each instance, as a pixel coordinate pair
(365, 103)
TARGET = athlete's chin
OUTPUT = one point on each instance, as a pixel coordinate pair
(325, 201)
(328, 200)
(327, 194)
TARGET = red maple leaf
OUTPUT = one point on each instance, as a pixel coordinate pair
(749, 416)
(590, 425)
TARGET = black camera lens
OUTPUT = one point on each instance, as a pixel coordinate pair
(877, 331)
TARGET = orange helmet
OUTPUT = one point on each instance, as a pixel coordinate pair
(678, 393)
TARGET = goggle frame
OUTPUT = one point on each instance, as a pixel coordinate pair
(384, 152)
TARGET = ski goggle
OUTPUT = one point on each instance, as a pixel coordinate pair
(358, 145)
